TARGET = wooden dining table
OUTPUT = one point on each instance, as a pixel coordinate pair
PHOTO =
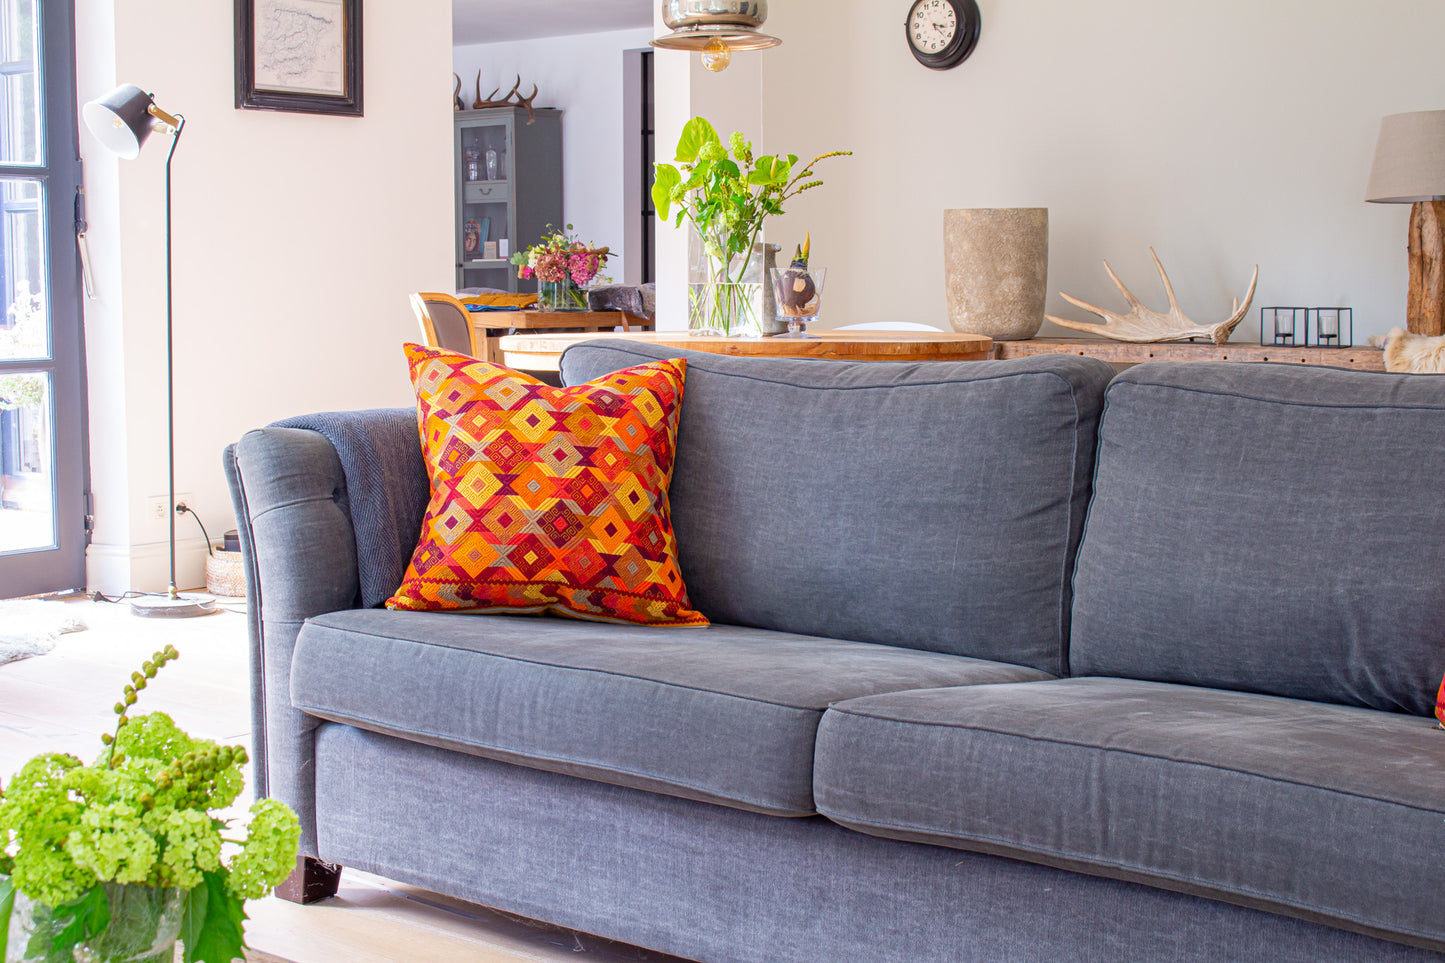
(540, 352)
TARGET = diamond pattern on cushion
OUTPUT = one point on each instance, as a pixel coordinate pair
(547, 499)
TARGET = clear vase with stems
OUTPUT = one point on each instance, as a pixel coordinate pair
(145, 922)
(725, 293)
(563, 295)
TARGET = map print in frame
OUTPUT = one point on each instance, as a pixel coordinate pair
(299, 55)
(300, 46)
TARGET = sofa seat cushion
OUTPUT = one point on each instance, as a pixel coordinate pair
(1326, 812)
(723, 714)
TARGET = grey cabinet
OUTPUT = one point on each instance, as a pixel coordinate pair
(508, 188)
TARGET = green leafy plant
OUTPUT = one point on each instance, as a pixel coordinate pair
(23, 335)
(140, 814)
(726, 192)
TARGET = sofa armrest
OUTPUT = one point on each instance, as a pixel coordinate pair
(294, 521)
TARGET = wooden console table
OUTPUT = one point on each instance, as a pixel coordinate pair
(539, 352)
(1121, 353)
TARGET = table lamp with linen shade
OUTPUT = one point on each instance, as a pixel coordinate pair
(1410, 169)
(121, 121)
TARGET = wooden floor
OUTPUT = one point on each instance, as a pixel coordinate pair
(61, 702)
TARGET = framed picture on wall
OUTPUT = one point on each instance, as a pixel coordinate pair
(299, 55)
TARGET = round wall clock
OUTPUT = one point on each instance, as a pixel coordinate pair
(942, 33)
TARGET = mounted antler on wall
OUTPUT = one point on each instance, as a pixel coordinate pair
(1142, 325)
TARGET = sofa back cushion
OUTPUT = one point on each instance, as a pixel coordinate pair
(1268, 528)
(935, 506)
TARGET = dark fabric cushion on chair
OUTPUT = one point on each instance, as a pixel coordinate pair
(1325, 812)
(722, 714)
(933, 505)
(1270, 528)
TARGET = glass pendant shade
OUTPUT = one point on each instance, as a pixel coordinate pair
(697, 23)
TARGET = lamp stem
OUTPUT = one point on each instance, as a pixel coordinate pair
(170, 366)
(1425, 304)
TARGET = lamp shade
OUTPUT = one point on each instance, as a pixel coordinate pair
(1409, 159)
(121, 120)
(697, 23)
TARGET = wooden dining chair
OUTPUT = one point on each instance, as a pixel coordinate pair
(446, 323)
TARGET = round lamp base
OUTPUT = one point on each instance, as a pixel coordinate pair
(164, 607)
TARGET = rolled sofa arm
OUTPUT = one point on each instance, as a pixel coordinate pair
(328, 507)
(294, 522)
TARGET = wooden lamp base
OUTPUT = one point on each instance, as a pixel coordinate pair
(1425, 306)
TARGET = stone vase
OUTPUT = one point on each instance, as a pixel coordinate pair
(996, 270)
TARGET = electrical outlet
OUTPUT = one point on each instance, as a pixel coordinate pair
(158, 506)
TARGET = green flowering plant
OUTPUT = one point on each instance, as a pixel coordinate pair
(726, 192)
(141, 814)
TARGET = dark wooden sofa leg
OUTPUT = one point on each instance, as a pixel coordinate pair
(311, 881)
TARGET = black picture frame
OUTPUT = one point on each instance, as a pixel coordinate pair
(274, 95)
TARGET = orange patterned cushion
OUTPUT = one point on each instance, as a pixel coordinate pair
(547, 499)
(1440, 704)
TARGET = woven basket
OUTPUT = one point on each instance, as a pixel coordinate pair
(225, 575)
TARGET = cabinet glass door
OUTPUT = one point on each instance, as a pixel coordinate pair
(484, 194)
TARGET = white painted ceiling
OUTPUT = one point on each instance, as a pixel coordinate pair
(493, 21)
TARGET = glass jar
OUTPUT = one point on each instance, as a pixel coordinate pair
(145, 922)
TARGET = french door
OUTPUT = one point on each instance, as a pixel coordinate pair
(42, 383)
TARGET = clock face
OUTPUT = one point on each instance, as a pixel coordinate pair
(942, 33)
(932, 26)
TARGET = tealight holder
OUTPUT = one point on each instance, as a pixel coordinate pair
(1331, 327)
(1283, 326)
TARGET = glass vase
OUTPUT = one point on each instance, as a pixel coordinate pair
(725, 309)
(726, 295)
(145, 922)
(560, 296)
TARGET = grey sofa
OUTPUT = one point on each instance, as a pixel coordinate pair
(939, 716)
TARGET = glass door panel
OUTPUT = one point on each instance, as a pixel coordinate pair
(19, 82)
(42, 393)
(27, 462)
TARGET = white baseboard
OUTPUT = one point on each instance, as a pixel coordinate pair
(115, 569)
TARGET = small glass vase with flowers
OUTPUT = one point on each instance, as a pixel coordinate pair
(563, 266)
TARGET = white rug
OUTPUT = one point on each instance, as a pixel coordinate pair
(30, 627)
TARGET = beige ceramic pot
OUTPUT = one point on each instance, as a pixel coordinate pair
(996, 270)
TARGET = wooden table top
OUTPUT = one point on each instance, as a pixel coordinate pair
(539, 352)
(1362, 358)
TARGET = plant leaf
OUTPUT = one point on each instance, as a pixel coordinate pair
(81, 918)
(695, 133)
(7, 903)
(195, 917)
(219, 937)
(666, 179)
(769, 171)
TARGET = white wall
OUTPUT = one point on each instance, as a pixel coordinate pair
(1225, 134)
(582, 75)
(297, 238)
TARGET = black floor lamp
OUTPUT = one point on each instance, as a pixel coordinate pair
(121, 121)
